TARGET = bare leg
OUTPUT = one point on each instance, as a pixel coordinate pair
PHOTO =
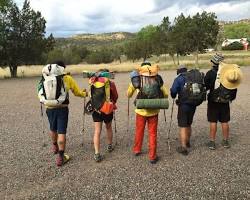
(189, 133)
(184, 136)
(61, 141)
(225, 130)
(109, 132)
(213, 130)
(98, 129)
(53, 136)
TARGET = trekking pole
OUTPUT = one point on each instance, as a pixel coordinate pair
(128, 121)
(83, 119)
(44, 144)
(171, 117)
(128, 117)
(115, 129)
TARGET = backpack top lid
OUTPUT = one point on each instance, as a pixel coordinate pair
(52, 69)
(230, 75)
(148, 70)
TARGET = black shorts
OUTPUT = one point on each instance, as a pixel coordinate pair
(100, 117)
(185, 117)
(58, 119)
(218, 112)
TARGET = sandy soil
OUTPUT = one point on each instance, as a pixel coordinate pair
(28, 169)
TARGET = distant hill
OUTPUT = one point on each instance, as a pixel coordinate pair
(236, 29)
(95, 40)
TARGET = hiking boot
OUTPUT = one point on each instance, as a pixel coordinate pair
(98, 157)
(137, 153)
(155, 160)
(55, 148)
(211, 145)
(188, 144)
(61, 160)
(182, 150)
(225, 144)
(110, 148)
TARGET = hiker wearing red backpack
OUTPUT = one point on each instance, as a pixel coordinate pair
(189, 85)
(150, 90)
(53, 92)
(222, 82)
(103, 98)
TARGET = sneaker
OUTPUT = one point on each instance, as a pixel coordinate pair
(110, 148)
(62, 160)
(155, 160)
(225, 144)
(55, 148)
(182, 150)
(98, 157)
(211, 145)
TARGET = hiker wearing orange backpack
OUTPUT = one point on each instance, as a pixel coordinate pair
(103, 98)
(150, 92)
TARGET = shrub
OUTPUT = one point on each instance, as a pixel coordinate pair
(234, 46)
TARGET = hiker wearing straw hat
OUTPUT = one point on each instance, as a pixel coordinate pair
(222, 82)
(151, 96)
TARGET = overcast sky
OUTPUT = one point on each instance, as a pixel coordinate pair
(69, 17)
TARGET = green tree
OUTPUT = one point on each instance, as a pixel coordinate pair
(132, 50)
(146, 40)
(24, 37)
(203, 32)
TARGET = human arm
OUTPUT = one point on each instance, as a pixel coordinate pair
(164, 91)
(72, 85)
(113, 90)
(130, 90)
(175, 88)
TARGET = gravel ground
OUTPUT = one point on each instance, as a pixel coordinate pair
(28, 171)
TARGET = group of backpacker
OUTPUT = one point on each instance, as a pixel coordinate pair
(190, 86)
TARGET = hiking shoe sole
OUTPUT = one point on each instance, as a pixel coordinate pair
(211, 145)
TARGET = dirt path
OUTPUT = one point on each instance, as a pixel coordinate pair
(28, 171)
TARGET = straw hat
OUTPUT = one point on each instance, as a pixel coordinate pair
(147, 70)
(230, 75)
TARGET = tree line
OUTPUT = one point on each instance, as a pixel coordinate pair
(23, 40)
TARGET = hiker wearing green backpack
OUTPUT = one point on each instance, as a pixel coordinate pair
(53, 92)
(189, 85)
(151, 96)
(103, 98)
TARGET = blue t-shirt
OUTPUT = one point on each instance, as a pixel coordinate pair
(176, 88)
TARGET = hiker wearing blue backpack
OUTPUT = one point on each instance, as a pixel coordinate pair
(191, 92)
(53, 92)
(222, 82)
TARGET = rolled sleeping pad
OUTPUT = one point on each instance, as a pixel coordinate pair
(152, 103)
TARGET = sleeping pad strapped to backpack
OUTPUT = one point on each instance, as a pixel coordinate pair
(150, 95)
(194, 91)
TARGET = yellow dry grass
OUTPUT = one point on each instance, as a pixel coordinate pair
(238, 57)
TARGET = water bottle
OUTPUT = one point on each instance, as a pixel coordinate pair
(196, 89)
